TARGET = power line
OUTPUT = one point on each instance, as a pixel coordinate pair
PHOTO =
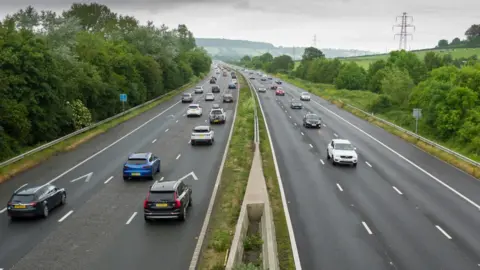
(314, 41)
(404, 25)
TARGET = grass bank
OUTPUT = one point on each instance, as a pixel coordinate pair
(232, 186)
(361, 100)
(30, 161)
(284, 247)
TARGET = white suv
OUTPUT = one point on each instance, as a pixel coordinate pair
(194, 110)
(202, 134)
(305, 96)
(342, 152)
(199, 89)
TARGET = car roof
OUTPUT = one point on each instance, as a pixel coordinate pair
(210, 94)
(201, 128)
(28, 191)
(193, 104)
(303, 93)
(341, 141)
(165, 185)
(139, 156)
(199, 86)
(217, 109)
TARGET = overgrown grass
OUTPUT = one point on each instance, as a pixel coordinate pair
(401, 118)
(284, 247)
(233, 184)
(32, 160)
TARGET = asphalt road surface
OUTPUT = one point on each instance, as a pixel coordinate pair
(400, 208)
(102, 225)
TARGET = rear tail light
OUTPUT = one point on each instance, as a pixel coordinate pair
(147, 167)
(178, 203)
(9, 203)
(33, 204)
(145, 202)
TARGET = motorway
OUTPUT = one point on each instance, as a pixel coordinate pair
(400, 208)
(101, 226)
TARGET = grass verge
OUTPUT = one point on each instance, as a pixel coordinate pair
(284, 247)
(30, 161)
(360, 99)
(233, 184)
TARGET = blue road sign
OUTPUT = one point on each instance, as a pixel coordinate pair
(123, 97)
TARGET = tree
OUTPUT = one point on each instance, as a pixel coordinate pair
(473, 32)
(397, 84)
(432, 60)
(375, 76)
(282, 63)
(351, 77)
(312, 53)
(455, 41)
(442, 43)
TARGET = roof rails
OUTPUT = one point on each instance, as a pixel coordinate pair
(18, 189)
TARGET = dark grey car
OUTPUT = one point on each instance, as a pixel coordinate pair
(35, 201)
(296, 104)
(167, 200)
(227, 98)
(312, 120)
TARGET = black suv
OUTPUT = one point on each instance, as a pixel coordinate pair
(35, 201)
(312, 120)
(166, 200)
(215, 89)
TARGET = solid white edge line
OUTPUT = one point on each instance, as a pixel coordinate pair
(322, 162)
(339, 187)
(206, 221)
(154, 141)
(397, 190)
(179, 155)
(131, 218)
(369, 165)
(404, 158)
(3, 210)
(65, 216)
(110, 145)
(108, 180)
(366, 227)
(293, 242)
(444, 232)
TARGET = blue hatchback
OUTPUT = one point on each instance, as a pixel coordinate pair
(141, 165)
(232, 86)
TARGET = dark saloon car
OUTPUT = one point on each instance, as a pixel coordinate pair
(35, 201)
(311, 120)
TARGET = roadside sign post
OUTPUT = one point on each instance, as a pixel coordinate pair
(417, 113)
(123, 99)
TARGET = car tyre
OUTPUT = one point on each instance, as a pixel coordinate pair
(147, 219)
(328, 155)
(158, 168)
(190, 202)
(63, 201)
(45, 211)
(354, 165)
(183, 216)
(125, 178)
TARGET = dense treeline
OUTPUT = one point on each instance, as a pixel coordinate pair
(446, 89)
(59, 73)
(472, 40)
(280, 64)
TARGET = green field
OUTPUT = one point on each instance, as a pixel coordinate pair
(365, 61)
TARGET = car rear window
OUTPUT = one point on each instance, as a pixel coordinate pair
(161, 196)
(136, 161)
(216, 112)
(201, 129)
(23, 198)
(193, 107)
(186, 95)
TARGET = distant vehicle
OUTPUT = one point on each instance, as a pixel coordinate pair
(270, 78)
(232, 86)
(295, 104)
(278, 82)
(279, 92)
(342, 152)
(273, 87)
(215, 106)
(234, 76)
(264, 78)
(35, 201)
(215, 89)
(262, 89)
(209, 97)
(194, 110)
(252, 78)
(166, 200)
(224, 74)
(312, 120)
(141, 165)
(234, 81)
(199, 89)
(217, 116)
(227, 98)
(187, 97)
(305, 96)
(202, 134)
(213, 81)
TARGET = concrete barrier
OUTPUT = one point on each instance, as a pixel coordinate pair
(256, 207)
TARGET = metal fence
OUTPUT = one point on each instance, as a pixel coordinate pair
(80, 131)
(420, 138)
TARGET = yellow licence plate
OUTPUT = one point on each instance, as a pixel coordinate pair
(216, 121)
(201, 136)
(136, 174)
(162, 205)
(20, 206)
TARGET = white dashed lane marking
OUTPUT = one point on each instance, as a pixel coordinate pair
(108, 180)
(397, 190)
(154, 141)
(179, 155)
(444, 232)
(131, 218)
(366, 227)
(339, 187)
(65, 216)
(368, 164)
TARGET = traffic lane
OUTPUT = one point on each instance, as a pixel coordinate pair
(327, 231)
(414, 244)
(118, 195)
(453, 213)
(57, 164)
(457, 179)
(19, 240)
(138, 244)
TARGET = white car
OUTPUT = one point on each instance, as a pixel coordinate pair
(194, 110)
(341, 151)
(262, 89)
(209, 97)
(234, 81)
(202, 134)
(305, 96)
(199, 89)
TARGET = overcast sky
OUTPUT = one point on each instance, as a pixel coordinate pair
(346, 24)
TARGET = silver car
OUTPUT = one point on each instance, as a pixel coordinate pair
(209, 97)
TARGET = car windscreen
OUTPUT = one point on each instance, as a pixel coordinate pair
(23, 198)
(313, 117)
(136, 161)
(343, 146)
(227, 96)
(193, 107)
(161, 196)
(216, 112)
(198, 87)
(296, 103)
(305, 94)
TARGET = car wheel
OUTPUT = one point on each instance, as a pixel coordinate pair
(183, 216)
(190, 202)
(45, 211)
(355, 165)
(64, 199)
(152, 176)
(147, 219)
(158, 168)
(328, 155)
(192, 142)
(125, 178)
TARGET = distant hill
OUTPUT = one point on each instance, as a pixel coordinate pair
(228, 49)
